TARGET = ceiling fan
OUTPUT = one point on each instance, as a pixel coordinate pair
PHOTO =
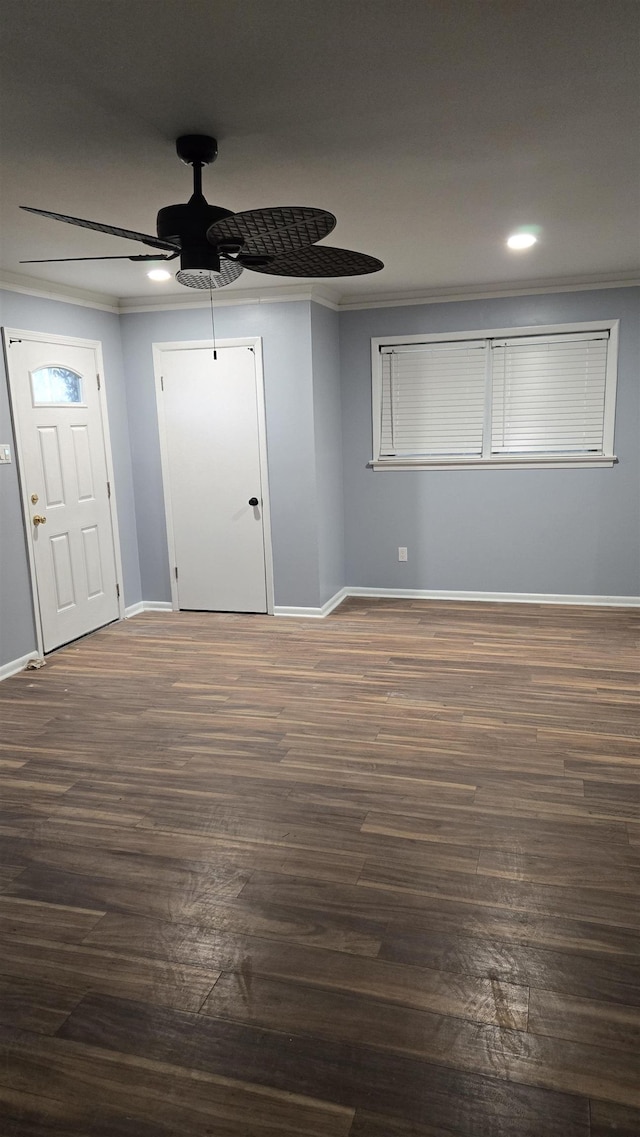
(215, 245)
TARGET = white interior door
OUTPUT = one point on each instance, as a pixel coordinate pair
(210, 418)
(61, 436)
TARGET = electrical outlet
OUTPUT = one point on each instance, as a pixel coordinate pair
(402, 553)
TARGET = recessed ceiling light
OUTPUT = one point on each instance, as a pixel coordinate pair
(158, 274)
(521, 240)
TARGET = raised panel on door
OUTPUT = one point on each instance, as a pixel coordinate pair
(65, 589)
(51, 466)
(213, 454)
(84, 481)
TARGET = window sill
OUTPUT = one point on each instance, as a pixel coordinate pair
(558, 462)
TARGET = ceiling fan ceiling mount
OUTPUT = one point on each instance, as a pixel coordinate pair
(215, 245)
(197, 149)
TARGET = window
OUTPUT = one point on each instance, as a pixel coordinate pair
(53, 386)
(520, 397)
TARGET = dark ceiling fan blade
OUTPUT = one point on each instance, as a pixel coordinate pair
(124, 257)
(129, 234)
(314, 260)
(272, 232)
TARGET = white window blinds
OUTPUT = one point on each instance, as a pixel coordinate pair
(548, 395)
(495, 398)
(433, 399)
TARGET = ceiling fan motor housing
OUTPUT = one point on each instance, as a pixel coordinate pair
(200, 256)
(187, 224)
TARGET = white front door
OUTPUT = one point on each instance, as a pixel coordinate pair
(58, 416)
(210, 423)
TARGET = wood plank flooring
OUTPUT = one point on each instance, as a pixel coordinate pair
(373, 876)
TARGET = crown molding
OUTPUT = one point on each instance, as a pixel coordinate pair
(50, 290)
(231, 298)
(489, 291)
(315, 293)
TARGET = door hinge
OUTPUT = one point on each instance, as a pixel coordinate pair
(162, 383)
(108, 489)
(176, 571)
(98, 378)
(118, 591)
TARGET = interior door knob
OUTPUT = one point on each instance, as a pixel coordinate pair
(38, 519)
(253, 501)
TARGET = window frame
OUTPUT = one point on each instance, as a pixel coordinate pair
(66, 405)
(488, 461)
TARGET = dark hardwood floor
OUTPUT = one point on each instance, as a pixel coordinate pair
(375, 876)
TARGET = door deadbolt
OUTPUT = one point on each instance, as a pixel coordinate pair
(34, 498)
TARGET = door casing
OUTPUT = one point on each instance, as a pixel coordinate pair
(255, 342)
(9, 334)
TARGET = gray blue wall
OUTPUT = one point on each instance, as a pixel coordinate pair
(334, 521)
(532, 531)
(327, 418)
(17, 632)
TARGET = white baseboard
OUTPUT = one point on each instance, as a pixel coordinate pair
(497, 597)
(313, 613)
(408, 594)
(147, 606)
(16, 665)
(474, 597)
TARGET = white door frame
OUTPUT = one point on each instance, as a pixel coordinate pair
(9, 334)
(254, 342)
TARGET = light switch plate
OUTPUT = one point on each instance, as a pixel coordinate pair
(5, 452)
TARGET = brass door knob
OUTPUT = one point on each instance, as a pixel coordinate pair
(38, 519)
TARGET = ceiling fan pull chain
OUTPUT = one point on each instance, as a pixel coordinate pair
(213, 326)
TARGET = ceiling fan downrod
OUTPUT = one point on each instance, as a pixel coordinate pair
(186, 224)
(197, 150)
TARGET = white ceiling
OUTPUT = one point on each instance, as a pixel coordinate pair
(431, 128)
